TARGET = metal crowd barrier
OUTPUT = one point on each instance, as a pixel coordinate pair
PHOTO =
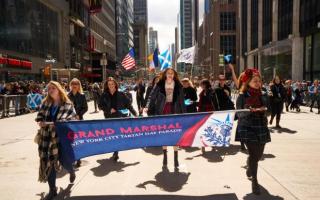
(13, 105)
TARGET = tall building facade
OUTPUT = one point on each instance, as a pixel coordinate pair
(102, 40)
(31, 32)
(219, 34)
(153, 40)
(124, 28)
(188, 27)
(270, 36)
(140, 30)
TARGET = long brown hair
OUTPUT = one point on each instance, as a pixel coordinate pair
(75, 80)
(163, 75)
(63, 95)
(105, 85)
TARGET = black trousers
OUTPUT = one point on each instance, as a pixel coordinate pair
(315, 100)
(276, 110)
(140, 102)
(255, 154)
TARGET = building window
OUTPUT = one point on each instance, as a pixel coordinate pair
(316, 57)
(309, 16)
(308, 57)
(267, 22)
(244, 21)
(254, 23)
(228, 45)
(285, 19)
(227, 21)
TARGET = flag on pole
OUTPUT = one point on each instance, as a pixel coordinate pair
(187, 55)
(151, 62)
(128, 62)
(165, 59)
(155, 57)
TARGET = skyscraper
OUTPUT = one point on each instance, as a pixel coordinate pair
(124, 29)
(153, 40)
(140, 30)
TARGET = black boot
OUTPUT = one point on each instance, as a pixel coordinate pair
(277, 123)
(52, 193)
(176, 162)
(165, 158)
(72, 177)
(248, 171)
(255, 186)
(115, 156)
(78, 164)
(311, 110)
(271, 120)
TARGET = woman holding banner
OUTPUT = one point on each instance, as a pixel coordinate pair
(79, 102)
(167, 98)
(55, 107)
(252, 126)
(115, 104)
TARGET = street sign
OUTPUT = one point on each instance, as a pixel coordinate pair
(221, 60)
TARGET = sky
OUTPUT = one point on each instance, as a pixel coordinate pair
(162, 16)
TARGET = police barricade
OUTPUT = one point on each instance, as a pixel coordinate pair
(13, 105)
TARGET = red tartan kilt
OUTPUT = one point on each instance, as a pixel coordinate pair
(167, 110)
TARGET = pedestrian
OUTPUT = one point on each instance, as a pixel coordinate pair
(190, 96)
(79, 101)
(150, 87)
(278, 96)
(167, 98)
(314, 92)
(115, 104)
(223, 94)
(55, 107)
(288, 98)
(96, 92)
(207, 98)
(252, 126)
(140, 89)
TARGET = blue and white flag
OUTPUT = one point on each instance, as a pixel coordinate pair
(165, 59)
(34, 100)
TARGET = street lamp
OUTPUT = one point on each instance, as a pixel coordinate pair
(104, 63)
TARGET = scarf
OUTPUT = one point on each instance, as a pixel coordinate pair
(254, 98)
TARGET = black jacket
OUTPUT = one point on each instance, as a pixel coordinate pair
(149, 90)
(223, 100)
(80, 103)
(191, 93)
(140, 89)
(278, 93)
(157, 99)
(122, 102)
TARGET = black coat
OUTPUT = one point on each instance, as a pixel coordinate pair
(252, 127)
(191, 93)
(278, 93)
(157, 99)
(80, 103)
(122, 102)
(140, 89)
(149, 90)
(223, 100)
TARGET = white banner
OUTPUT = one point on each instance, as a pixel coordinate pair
(187, 55)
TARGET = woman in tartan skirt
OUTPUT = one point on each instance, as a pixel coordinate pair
(252, 126)
(166, 98)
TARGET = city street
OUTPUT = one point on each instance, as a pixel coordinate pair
(289, 170)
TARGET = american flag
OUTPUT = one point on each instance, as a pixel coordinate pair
(128, 61)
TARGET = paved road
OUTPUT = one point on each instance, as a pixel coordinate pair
(289, 170)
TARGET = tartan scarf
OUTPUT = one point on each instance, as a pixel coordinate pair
(254, 98)
(48, 145)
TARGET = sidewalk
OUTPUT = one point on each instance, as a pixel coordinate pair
(289, 170)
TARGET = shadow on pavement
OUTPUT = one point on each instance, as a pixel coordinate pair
(168, 181)
(153, 150)
(265, 195)
(109, 165)
(191, 149)
(230, 196)
(217, 154)
(282, 130)
(264, 156)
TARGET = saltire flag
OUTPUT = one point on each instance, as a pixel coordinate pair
(187, 55)
(34, 100)
(165, 59)
(81, 139)
(129, 62)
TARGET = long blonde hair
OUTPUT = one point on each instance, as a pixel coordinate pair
(63, 95)
(75, 80)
